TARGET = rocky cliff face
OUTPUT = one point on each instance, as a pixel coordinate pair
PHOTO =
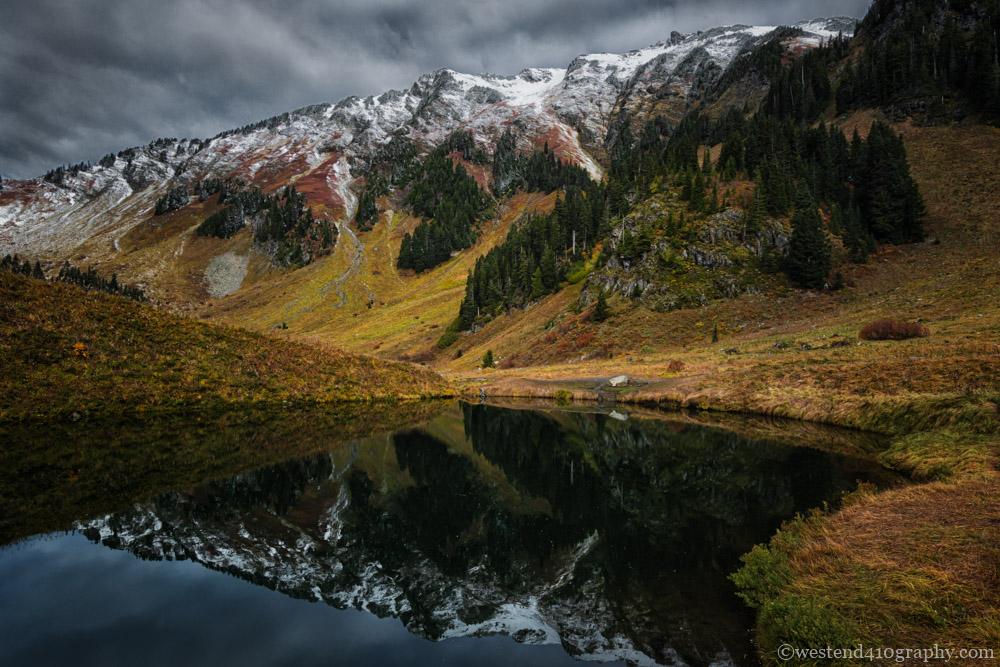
(664, 260)
(575, 110)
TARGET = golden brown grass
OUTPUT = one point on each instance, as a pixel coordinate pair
(408, 312)
(67, 350)
(928, 551)
(909, 567)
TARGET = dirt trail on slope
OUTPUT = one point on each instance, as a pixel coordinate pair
(341, 185)
(356, 260)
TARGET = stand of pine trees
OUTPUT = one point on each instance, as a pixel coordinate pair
(393, 166)
(13, 264)
(241, 203)
(68, 273)
(931, 49)
(289, 230)
(367, 214)
(173, 200)
(283, 224)
(803, 90)
(90, 280)
(464, 144)
(445, 193)
(58, 175)
(865, 183)
(541, 171)
(208, 187)
(535, 257)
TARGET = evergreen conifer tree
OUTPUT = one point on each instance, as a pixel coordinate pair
(549, 270)
(754, 217)
(537, 287)
(857, 239)
(467, 312)
(601, 311)
(808, 260)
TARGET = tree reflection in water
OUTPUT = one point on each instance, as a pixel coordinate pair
(613, 538)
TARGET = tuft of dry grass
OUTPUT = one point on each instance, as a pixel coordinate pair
(913, 566)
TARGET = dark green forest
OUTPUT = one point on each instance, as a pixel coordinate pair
(283, 223)
(857, 189)
(452, 205)
(926, 55)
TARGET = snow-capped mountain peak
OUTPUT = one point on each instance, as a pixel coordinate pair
(570, 108)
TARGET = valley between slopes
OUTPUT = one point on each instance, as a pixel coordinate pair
(338, 322)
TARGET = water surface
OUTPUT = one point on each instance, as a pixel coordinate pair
(437, 534)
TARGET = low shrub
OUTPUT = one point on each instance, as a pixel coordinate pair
(893, 330)
(804, 622)
(422, 357)
(513, 361)
(447, 338)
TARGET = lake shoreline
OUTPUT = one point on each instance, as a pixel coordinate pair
(834, 578)
(645, 511)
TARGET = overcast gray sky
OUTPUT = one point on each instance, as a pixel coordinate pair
(79, 79)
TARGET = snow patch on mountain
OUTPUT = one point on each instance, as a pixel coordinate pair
(571, 107)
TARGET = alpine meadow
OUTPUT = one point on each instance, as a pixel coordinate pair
(687, 354)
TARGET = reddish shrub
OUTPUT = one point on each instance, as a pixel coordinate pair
(419, 357)
(513, 361)
(675, 366)
(893, 330)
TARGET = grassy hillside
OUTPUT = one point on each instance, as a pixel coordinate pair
(908, 567)
(359, 299)
(68, 350)
(796, 352)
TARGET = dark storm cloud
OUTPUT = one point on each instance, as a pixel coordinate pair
(79, 79)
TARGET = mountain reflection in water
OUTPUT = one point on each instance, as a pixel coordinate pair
(613, 538)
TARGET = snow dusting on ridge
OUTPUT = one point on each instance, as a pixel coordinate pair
(570, 107)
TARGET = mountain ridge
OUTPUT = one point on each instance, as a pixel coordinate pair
(570, 108)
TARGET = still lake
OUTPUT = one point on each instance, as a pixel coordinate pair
(437, 533)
